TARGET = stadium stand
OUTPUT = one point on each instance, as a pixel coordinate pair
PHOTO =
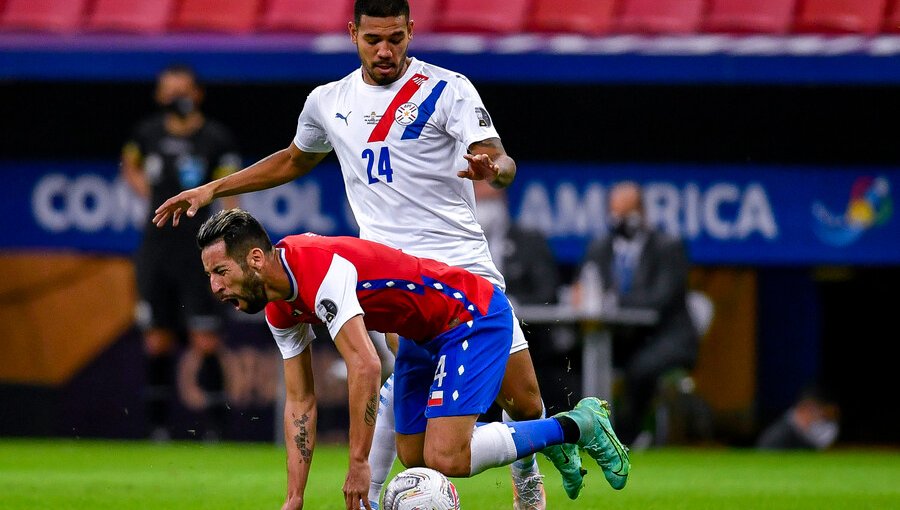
(486, 16)
(130, 16)
(425, 14)
(840, 16)
(43, 16)
(222, 16)
(892, 17)
(750, 16)
(589, 17)
(311, 16)
(661, 16)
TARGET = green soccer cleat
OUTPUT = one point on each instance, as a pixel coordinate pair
(598, 439)
(568, 461)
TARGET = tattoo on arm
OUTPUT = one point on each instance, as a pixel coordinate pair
(371, 410)
(301, 439)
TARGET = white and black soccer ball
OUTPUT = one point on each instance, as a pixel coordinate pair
(420, 489)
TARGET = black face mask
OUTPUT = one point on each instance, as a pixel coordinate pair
(181, 106)
(626, 227)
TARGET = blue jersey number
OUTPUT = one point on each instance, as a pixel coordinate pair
(384, 165)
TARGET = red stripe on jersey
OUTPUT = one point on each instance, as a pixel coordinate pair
(387, 118)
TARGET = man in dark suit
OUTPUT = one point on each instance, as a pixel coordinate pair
(641, 267)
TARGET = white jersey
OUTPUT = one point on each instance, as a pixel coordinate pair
(400, 147)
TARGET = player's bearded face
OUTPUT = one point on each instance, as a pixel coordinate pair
(253, 291)
(382, 45)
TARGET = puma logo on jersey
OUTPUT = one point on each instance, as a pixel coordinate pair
(343, 117)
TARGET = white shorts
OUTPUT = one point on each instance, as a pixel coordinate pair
(488, 270)
(518, 342)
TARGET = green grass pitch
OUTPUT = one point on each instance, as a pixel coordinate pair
(96, 475)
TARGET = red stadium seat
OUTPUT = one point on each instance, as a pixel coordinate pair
(43, 15)
(492, 16)
(660, 16)
(227, 16)
(841, 16)
(589, 17)
(750, 16)
(425, 14)
(892, 19)
(134, 16)
(312, 16)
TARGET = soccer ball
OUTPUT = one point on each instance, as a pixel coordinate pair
(420, 489)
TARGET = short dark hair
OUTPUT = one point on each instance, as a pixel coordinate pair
(240, 231)
(380, 9)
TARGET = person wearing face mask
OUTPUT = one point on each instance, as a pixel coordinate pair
(174, 149)
(522, 255)
(641, 267)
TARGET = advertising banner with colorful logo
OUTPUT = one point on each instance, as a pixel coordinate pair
(727, 214)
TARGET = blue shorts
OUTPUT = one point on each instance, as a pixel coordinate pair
(455, 374)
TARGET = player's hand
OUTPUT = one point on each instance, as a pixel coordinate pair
(356, 486)
(293, 503)
(186, 202)
(481, 167)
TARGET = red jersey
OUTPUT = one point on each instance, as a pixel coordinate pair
(336, 278)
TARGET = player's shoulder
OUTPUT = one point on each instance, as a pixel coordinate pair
(296, 241)
(335, 86)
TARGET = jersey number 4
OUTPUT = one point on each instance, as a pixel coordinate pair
(384, 165)
(441, 371)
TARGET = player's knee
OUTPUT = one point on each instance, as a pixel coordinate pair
(451, 463)
(528, 405)
(530, 408)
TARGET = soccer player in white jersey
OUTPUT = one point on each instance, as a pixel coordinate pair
(410, 137)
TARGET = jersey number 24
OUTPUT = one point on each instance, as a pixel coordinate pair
(384, 165)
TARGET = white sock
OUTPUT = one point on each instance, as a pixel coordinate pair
(492, 446)
(526, 465)
(384, 447)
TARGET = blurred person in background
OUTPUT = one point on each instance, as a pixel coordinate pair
(523, 255)
(812, 423)
(174, 149)
(410, 138)
(641, 267)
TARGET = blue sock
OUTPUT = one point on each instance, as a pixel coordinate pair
(534, 435)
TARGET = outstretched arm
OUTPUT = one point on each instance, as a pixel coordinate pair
(364, 382)
(274, 170)
(299, 426)
(488, 161)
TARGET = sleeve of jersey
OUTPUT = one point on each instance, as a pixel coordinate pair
(292, 339)
(336, 300)
(467, 119)
(311, 135)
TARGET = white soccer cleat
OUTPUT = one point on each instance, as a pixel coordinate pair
(528, 491)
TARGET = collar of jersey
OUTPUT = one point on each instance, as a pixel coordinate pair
(282, 256)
